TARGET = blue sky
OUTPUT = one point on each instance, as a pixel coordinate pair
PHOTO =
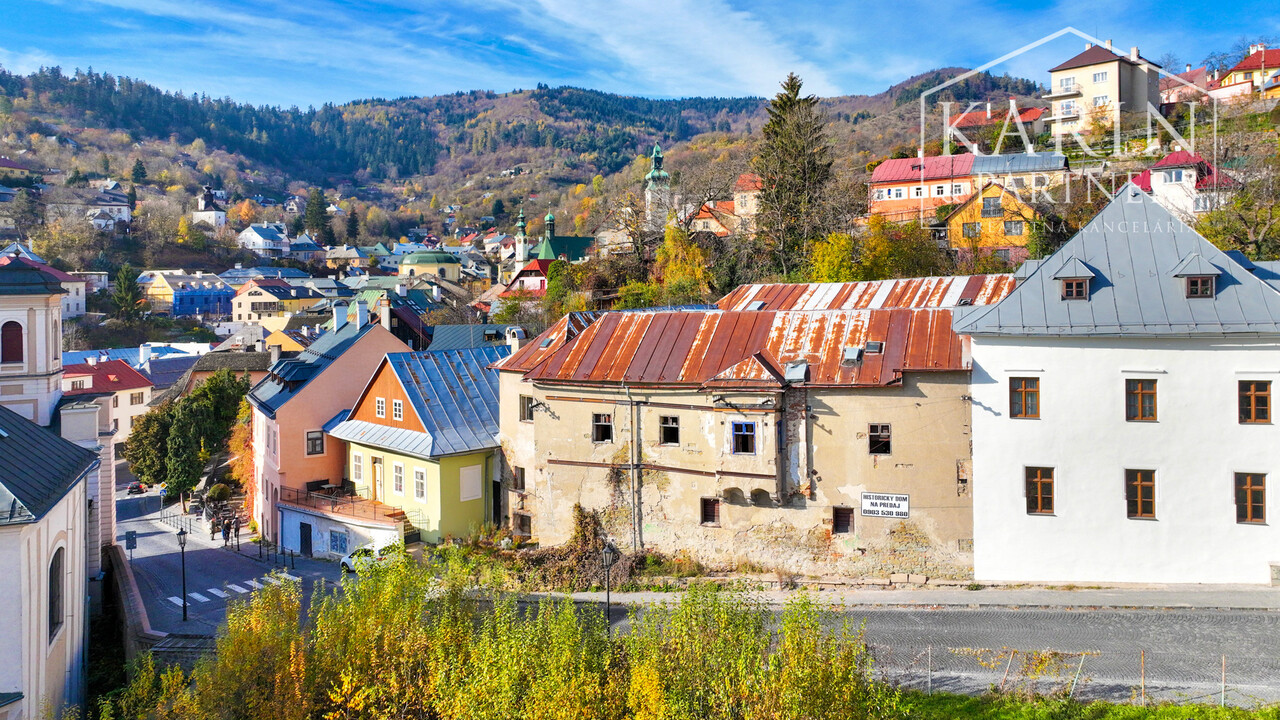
(316, 51)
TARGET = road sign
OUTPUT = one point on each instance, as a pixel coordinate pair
(163, 492)
(130, 539)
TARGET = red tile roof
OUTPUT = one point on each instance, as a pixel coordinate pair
(748, 182)
(979, 118)
(108, 376)
(931, 168)
(1264, 59)
(1207, 176)
(47, 270)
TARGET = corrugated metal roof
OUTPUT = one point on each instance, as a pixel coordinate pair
(551, 340)
(930, 168)
(930, 292)
(1019, 163)
(716, 348)
(1133, 246)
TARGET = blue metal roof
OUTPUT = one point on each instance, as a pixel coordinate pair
(1018, 163)
(129, 354)
(458, 337)
(453, 392)
(287, 377)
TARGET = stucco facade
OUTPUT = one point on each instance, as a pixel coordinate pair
(31, 383)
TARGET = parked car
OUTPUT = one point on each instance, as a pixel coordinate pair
(368, 554)
(136, 488)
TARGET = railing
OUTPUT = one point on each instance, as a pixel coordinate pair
(353, 506)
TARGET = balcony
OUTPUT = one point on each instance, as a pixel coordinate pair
(1064, 91)
(351, 506)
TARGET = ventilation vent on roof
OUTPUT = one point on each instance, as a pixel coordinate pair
(852, 356)
(965, 301)
(796, 371)
(875, 347)
(547, 341)
(755, 305)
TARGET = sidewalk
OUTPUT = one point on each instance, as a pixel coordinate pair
(1181, 597)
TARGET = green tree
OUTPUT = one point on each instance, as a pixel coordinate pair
(104, 162)
(832, 259)
(353, 227)
(794, 163)
(148, 443)
(498, 211)
(896, 250)
(128, 298)
(316, 214)
(132, 197)
(139, 172)
(25, 212)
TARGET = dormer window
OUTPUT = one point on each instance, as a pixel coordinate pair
(1075, 289)
(1200, 286)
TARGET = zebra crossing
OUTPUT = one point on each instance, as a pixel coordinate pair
(244, 587)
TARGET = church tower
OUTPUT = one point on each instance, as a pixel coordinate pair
(657, 192)
(522, 238)
(30, 340)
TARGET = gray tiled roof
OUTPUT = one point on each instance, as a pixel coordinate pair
(458, 337)
(1134, 248)
(165, 371)
(39, 468)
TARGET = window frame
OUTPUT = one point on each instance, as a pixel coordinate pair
(357, 467)
(137, 398)
(309, 438)
(57, 588)
(838, 513)
(1243, 483)
(1134, 394)
(1041, 481)
(738, 429)
(992, 207)
(397, 409)
(1201, 286)
(1011, 225)
(397, 478)
(380, 407)
(12, 342)
(971, 230)
(419, 483)
(1075, 288)
(1023, 388)
(668, 423)
(1140, 488)
(879, 434)
(518, 478)
(711, 504)
(526, 408)
(601, 425)
(1258, 413)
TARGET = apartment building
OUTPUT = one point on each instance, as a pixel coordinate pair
(1101, 86)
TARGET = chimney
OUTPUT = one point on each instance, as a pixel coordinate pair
(516, 338)
(1133, 53)
(1108, 44)
(988, 111)
(384, 313)
(144, 353)
(1088, 46)
(362, 313)
(339, 316)
(400, 289)
(1188, 67)
(435, 293)
(275, 354)
(93, 360)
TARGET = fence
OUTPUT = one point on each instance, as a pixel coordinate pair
(354, 506)
(178, 520)
(1140, 677)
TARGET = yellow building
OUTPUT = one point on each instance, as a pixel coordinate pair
(432, 262)
(1100, 85)
(271, 297)
(994, 220)
(289, 340)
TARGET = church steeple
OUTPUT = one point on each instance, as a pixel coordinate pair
(657, 191)
(549, 229)
(520, 224)
(656, 176)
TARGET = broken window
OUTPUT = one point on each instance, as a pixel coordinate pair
(744, 438)
(1039, 491)
(1255, 401)
(878, 437)
(841, 520)
(710, 511)
(669, 430)
(517, 479)
(1140, 400)
(1140, 493)
(526, 408)
(1024, 397)
(602, 427)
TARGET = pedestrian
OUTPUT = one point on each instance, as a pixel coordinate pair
(213, 528)
(226, 532)
(235, 526)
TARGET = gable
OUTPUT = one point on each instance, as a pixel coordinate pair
(386, 384)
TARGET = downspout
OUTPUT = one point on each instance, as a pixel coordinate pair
(635, 470)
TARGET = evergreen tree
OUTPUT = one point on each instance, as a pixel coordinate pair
(327, 238)
(128, 298)
(104, 162)
(133, 197)
(498, 211)
(139, 173)
(297, 225)
(794, 163)
(353, 227)
(316, 214)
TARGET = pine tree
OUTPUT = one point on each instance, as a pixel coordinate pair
(133, 197)
(139, 173)
(794, 164)
(128, 297)
(316, 214)
(327, 238)
(353, 227)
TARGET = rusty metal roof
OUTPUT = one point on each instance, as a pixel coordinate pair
(929, 292)
(551, 340)
(716, 348)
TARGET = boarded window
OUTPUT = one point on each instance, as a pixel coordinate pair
(469, 483)
(669, 428)
(1255, 401)
(744, 438)
(11, 342)
(710, 511)
(1140, 400)
(602, 427)
(1140, 493)
(1024, 397)
(1251, 498)
(841, 520)
(1039, 491)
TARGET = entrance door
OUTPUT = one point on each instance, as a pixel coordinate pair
(377, 479)
(497, 503)
(304, 539)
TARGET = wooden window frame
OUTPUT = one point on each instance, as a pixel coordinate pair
(397, 478)
(666, 424)
(1201, 286)
(1075, 289)
(526, 408)
(357, 467)
(749, 438)
(419, 483)
(879, 435)
(137, 398)
(397, 410)
(601, 425)
(380, 407)
(1037, 479)
(1023, 388)
(517, 478)
(709, 512)
(1251, 492)
(1140, 494)
(841, 520)
(1134, 393)
(311, 442)
(1253, 412)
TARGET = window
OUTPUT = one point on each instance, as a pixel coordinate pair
(991, 207)
(1075, 289)
(357, 468)
(1066, 83)
(397, 410)
(1200, 286)
(1100, 77)
(601, 427)
(77, 384)
(880, 194)
(1024, 397)
(710, 512)
(939, 190)
(526, 408)
(1013, 227)
(1140, 400)
(523, 525)
(10, 342)
(1251, 498)
(1002, 254)
(1101, 101)
(315, 442)
(841, 520)
(1255, 401)
(744, 438)
(380, 407)
(1173, 176)
(1039, 491)
(669, 427)
(918, 191)
(957, 189)
(57, 580)
(135, 398)
(115, 399)
(419, 483)
(338, 542)
(971, 229)
(1140, 493)
(517, 479)
(1068, 108)
(397, 478)
(878, 439)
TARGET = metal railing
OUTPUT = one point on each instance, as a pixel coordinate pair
(353, 506)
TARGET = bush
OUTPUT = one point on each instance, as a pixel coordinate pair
(219, 493)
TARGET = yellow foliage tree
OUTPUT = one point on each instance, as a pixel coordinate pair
(832, 259)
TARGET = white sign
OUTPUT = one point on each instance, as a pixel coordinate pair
(886, 505)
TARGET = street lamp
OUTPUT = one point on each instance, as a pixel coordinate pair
(608, 556)
(182, 547)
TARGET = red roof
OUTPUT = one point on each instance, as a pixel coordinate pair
(978, 118)
(551, 340)
(1198, 77)
(714, 348)
(61, 276)
(1259, 60)
(10, 164)
(1207, 176)
(748, 182)
(108, 376)
(1095, 55)
(930, 292)
(932, 168)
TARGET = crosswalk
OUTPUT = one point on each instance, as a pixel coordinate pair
(244, 587)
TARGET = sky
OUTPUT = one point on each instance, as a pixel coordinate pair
(308, 53)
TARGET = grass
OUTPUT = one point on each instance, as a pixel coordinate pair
(942, 706)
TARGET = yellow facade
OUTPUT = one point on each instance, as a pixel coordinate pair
(994, 218)
(285, 341)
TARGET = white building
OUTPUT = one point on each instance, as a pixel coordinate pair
(126, 392)
(1186, 184)
(265, 239)
(1122, 422)
(208, 210)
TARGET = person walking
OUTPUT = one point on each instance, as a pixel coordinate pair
(213, 528)
(226, 532)
(235, 527)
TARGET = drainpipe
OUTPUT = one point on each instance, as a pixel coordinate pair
(635, 470)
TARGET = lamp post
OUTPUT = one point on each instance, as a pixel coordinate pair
(608, 556)
(182, 548)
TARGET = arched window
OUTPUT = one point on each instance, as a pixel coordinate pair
(11, 342)
(56, 582)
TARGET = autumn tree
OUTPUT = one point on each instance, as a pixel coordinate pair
(245, 212)
(897, 250)
(832, 259)
(26, 213)
(794, 163)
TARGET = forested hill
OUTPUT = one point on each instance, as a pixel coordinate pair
(585, 131)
